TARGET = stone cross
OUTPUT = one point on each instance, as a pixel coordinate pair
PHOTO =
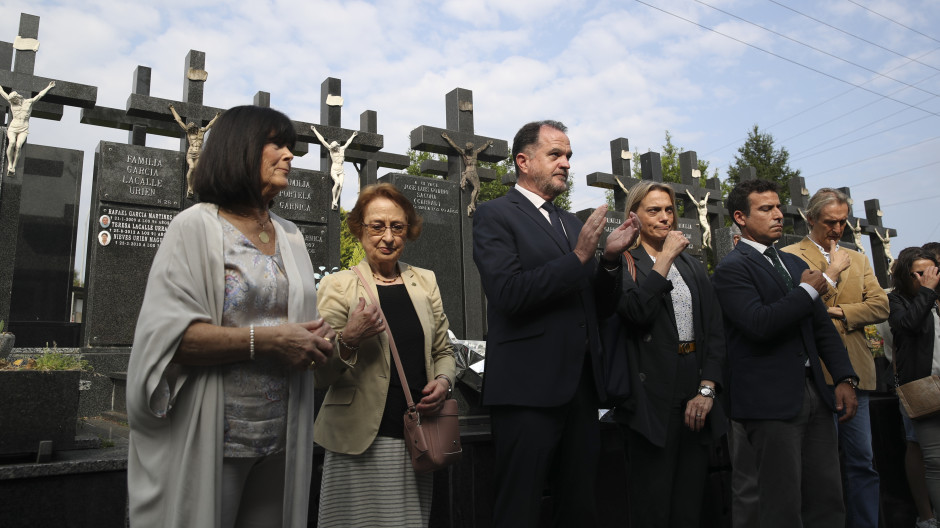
(263, 99)
(17, 66)
(795, 211)
(467, 320)
(621, 178)
(363, 148)
(190, 108)
(138, 127)
(367, 163)
(881, 258)
(694, 197)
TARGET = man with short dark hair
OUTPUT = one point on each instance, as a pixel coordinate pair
(853, 299)
(544, 290)
(777, 330)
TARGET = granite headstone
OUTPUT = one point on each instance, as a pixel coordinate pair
(438, 248)
(136, 192)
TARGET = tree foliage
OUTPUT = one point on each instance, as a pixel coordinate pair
(350, 250)
(770, 163)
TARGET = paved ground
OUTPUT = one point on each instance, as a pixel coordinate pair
(106, 430)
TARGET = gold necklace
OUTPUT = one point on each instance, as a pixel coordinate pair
(383, 279)
(263, 236)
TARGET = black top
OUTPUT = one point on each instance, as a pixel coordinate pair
(911, 321)
(402, 321)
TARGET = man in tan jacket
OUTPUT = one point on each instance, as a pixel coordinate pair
(854, 299)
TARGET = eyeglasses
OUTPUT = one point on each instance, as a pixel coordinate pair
(377, 229)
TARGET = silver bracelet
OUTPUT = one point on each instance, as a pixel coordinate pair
(251, 342)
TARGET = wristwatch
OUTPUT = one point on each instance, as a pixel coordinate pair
(851, 381)
(707, 391)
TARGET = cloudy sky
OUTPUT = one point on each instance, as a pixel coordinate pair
(849, 87)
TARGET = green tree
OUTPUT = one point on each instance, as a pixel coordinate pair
(770, 163)
(350, 250)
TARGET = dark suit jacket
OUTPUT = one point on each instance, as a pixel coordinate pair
(646, 309)
(912, 328)
(540, 303)
(770, 331)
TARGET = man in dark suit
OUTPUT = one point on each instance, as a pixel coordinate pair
(777, 329)
(543, 287)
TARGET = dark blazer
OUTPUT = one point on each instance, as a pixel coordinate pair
(540, 303)
(912, 329)
(770, 332)
(647, 311)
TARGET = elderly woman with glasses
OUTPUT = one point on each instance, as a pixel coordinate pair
(368, 479)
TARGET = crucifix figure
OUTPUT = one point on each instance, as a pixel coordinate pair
(702, 208)
(338, 155)
(196, 135)
(886, 241)
(20, 109)
(857, 235)
(470, 169)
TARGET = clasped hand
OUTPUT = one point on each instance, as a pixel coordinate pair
(618, 241)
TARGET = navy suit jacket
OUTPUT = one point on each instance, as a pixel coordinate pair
(770, 331)
(541, 303)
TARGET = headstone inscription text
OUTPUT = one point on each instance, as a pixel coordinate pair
(439, 246)
(139, 175)
(306, 203)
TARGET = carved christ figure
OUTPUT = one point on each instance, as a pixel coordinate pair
(857, 235)
(702, 208)
(20, 109)
(886, 241)
(469, 169)
(338, 156)
(196, 136)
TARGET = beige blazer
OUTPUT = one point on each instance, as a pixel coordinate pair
(349, 418)
(862, 300)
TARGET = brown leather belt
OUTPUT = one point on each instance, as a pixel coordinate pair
(686, 347)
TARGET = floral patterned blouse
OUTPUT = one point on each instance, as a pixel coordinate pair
(255, 391)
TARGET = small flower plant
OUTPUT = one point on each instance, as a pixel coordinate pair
(50, 359)
(876, 343)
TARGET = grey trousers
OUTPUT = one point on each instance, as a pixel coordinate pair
(745, 501)
(797, 461)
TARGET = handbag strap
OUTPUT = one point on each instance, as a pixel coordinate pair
(391, 342)
(631, 264)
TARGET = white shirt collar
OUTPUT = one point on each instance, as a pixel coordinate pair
(536, 200)
(756, 245)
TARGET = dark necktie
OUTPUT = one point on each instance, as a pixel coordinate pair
(772, 253)
(556, 221)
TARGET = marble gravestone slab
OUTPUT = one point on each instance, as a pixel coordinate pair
(693, 232)
(306, 202)
(135, 194)
(439, 246)
(614, 220)
(723, 240)
(50, 180)
(134, 174)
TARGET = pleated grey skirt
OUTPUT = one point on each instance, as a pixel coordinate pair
(377, 488)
